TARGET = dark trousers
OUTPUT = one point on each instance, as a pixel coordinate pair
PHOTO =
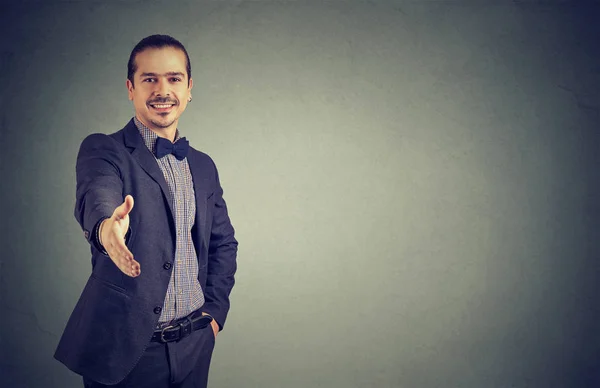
(182, 364)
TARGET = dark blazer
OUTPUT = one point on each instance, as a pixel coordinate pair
(115, 316)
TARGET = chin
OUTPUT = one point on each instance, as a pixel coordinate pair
(163, 124)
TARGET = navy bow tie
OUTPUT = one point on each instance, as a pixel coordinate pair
(164, 147)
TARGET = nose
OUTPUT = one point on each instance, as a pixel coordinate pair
(162, 88)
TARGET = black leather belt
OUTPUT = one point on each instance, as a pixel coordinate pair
(182, 327)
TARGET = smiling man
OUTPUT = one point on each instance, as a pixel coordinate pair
(163, 87)
(163, 247)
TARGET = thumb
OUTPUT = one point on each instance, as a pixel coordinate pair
(122, 210)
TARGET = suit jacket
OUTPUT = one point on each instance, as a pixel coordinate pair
(114, 319)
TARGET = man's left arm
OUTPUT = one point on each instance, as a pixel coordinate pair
(222, 253)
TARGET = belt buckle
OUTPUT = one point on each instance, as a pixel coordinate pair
(162, 333)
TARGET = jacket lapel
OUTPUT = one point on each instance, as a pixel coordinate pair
(146, 160)
(200, 193)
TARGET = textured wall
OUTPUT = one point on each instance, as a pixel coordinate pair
(414, 185)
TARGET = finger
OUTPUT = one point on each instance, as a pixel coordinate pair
(119, 250)
(121, 263)
(136, 269)
(129, 267)
(122, 257)
(130, 272)
(120, 260)
(133, 268)
(123, 209)
(124, 251)
(127, 263)
(129, 202)
(134, 265)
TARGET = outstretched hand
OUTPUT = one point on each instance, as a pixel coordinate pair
(112, 237)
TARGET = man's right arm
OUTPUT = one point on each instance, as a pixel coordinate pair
(100, 208)
(99, 184)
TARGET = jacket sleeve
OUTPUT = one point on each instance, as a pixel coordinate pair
(222, 253)
(99, 183)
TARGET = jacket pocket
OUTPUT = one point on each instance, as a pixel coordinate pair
(109, 284)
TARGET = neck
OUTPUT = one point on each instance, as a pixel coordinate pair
(166, 132)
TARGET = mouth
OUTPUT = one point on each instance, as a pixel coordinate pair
(162, 108)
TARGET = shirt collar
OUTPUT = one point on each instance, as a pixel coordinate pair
(148, 135)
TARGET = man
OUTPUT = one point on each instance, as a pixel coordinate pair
(163, 248)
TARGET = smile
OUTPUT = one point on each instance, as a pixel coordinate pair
(162, 108)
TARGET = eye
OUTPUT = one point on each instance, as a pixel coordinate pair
(149, 80)
(175, 79)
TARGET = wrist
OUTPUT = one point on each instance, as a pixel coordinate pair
(100, 232)
(97, 241)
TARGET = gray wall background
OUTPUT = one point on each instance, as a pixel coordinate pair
(414, 185)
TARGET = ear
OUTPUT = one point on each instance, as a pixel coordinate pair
(129, 89)
(191, 84)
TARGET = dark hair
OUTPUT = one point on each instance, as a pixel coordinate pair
(156, 41)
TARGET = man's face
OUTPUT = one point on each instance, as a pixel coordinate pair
(160, 90)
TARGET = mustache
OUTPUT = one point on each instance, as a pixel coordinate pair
(162, 100)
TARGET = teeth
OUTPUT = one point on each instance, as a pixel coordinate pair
(162, 106)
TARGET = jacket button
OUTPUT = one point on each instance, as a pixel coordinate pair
(167, 265)
(157, 310)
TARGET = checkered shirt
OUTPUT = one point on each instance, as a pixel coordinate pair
(184, 293)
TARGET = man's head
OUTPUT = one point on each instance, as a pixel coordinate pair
(159, 81)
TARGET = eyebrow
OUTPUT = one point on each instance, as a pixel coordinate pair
(171, 73)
